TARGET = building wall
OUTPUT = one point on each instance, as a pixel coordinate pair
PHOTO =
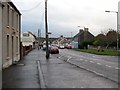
(27, 43)
(0, 36)
(11, 35)
(1, 46)
(28, 40)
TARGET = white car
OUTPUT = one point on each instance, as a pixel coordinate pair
(44, 47)
(61, 47)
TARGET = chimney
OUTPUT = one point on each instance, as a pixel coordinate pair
(86, 29)
(80, 30)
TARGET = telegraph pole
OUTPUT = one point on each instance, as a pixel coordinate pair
(46, 28)
(38, 38)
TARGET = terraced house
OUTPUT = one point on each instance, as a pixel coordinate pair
(11, 33)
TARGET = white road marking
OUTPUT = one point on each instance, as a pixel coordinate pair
(86, 60)
(94, 72)
(59, 56)
(93, 56)
(92, 62)
(81, 59)
(81, 87)
(116, 68)
(69, 58)
(107, 66)
(99, 63)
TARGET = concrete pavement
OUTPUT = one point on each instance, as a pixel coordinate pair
(24, 74)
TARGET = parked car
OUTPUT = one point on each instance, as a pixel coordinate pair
(69, 47)
(44, 47)
(54, 50)
(61, 46)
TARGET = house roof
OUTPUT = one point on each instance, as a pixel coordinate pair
(11, 3)
(82, 32)
(78, 34)
(26, 39)
(32, 34)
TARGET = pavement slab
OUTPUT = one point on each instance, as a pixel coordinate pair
(22, 75)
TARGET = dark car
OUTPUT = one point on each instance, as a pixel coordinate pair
(54, 50)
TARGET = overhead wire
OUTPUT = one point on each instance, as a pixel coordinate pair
(41, 25)
(27, 10)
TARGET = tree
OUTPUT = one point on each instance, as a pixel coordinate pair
(86, 43)
(100, 40)
(111, 38)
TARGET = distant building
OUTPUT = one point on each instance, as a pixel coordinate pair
(11, 33)
(79, 38)
(62, 41)
(28, 39)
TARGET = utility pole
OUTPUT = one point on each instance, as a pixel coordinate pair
(38, 38)
(46, 28)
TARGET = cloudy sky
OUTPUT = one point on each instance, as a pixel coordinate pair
(64, 16)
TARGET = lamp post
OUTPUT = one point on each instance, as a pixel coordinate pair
(117, 25)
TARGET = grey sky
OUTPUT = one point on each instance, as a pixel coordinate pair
(65, 15)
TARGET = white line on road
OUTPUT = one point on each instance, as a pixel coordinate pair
(116, 68)
(92, 62)
(81, 59)
(59, 56)
(69, 58)
(86, 60)
(81, 87)
(107, 66)
(99, 63)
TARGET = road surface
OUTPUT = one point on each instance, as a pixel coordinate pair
(106, 66)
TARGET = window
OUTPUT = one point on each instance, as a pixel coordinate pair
(12, 18)
(8, 15)
(17, 21)
(16, 44)
(7, 45)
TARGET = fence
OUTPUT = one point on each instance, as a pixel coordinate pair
(24, 50)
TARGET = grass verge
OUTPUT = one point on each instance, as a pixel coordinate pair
(105, 52)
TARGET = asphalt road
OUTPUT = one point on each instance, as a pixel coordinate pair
(106, 66)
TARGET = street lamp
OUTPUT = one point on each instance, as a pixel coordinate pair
(117, 25)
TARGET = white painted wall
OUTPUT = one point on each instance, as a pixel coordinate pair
(26, 41)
